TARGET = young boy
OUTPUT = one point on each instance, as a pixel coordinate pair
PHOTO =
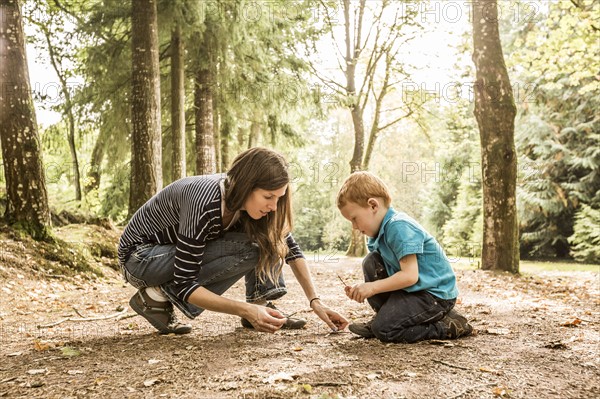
(408, 279)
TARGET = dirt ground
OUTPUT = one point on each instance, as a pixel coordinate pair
(538, 337)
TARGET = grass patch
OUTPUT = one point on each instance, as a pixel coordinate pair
(532, 267)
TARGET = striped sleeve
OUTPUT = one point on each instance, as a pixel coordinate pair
(294, 249)
(191, 243)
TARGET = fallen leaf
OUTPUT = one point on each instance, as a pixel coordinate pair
(37, 371)
(573, 323)
(40, 346)
(501, 391)
(305, 388)
(556, 345)
(69, 352)
(151, 381)
(297, 348)
(282, 376)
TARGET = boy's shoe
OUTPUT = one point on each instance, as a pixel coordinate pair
(290, 324)
(160, 314)
(456, 325)
(362, 329)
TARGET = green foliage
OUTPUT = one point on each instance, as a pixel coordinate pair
(557, 132)
(453, 211)
(585, 240)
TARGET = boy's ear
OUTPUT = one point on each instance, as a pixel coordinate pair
(373, 203)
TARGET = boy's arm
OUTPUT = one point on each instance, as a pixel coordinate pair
(407, 276)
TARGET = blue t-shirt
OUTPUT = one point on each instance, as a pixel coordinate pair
(401, 235)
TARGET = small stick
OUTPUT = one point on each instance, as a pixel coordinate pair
(451, 365)
(342, 280)
(121, 313)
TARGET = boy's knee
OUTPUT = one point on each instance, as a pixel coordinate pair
(381, 330)
(373, 267)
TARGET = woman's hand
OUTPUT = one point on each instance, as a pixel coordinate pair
(360, 292)
(333, 319)
(265, 319)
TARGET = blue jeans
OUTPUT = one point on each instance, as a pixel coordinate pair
(225, 261)
(404, 316)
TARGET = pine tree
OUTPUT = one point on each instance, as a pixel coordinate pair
(146, 159)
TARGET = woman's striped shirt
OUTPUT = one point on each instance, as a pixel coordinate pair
(186, 213)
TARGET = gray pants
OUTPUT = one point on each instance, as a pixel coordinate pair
(225, 261)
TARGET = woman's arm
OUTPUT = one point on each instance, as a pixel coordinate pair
(333, 319)
(262, 318)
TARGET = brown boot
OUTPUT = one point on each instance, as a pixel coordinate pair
(456, 325)
(160, 314)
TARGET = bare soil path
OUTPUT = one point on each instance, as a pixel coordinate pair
(538, 337)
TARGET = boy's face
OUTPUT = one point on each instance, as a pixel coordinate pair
(365, 219)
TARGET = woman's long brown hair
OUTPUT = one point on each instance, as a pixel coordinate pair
(261, 168)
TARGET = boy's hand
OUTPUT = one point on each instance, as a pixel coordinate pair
(360, 292)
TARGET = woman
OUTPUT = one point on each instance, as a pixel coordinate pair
(194, 239)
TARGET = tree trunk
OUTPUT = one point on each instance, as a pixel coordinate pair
(68, 110)
(217, 130)
(177, 105)
(254, 134)
(357, 242)
(146, 168)
(27, 199)
(92, 182)
(203, 102)
(225, 135)
(495, 112)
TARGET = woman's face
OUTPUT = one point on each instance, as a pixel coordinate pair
(260, 202)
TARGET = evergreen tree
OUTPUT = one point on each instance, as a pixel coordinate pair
(146, 149)
(558, 133)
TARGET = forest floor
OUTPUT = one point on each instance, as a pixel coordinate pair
(538, 336)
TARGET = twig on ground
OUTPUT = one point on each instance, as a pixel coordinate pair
(77, 311)
(452, 365)
(326, 383)
(121, 313)
(126, 316)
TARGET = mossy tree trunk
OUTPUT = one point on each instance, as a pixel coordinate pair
(27, 199)
(495, 112)
(146, 153)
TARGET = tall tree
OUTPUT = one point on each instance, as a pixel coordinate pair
(368, 57)
(495, 112)
(59, 45)
(146, 170)
(178, 164)
(27, 200)
(203, 103)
